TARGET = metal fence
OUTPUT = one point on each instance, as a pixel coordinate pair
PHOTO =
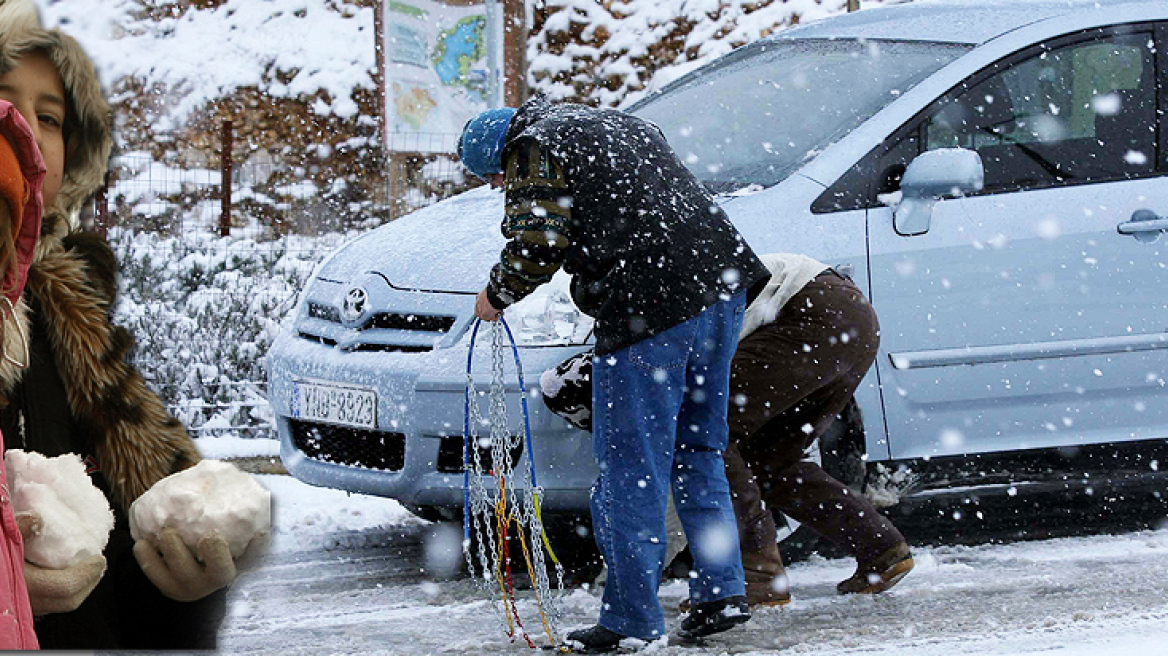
(212, 258)
(237, 188)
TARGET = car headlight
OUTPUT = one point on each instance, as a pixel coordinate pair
(548, 317)
(289, 321)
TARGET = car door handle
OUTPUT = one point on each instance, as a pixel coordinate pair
(1143, 221)
(1132, 227)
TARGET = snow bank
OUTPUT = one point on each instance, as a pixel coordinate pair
(222, 447)
(309, 518)
(212, 496)
(76, 516)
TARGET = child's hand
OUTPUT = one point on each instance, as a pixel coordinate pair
(182, 574)
(62, 590)
(57, 590)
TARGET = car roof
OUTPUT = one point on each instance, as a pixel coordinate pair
(953, 21)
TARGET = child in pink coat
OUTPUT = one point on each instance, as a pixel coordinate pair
(22, 172)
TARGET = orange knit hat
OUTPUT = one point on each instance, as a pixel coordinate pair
(13, 186)
(22, 172)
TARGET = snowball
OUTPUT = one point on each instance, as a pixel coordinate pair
(211, 496)
(77, 519)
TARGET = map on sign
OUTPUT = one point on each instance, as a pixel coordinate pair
(457, 51)
(440, 71)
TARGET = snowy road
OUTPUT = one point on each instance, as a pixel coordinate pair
(332, 588)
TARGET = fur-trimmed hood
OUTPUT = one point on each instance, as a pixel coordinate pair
(136, 441)
(73, 280)
(87, 123)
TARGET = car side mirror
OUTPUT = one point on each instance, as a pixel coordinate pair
(934, 175)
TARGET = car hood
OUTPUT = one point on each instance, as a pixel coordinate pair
(447, 247)
(451, 246)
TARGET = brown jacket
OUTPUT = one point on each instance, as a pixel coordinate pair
(136, 441)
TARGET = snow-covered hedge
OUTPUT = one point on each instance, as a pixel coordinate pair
(204, 310)
(609, 52)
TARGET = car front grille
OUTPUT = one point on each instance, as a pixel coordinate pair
(427, 323)
(422, 323)
(317, 338)
(352, 447)
(435, 325)
(450, 455)
(324, 312)
(392, 348)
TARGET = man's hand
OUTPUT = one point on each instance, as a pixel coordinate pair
(57, 590)
(483, 308)
(176, 570)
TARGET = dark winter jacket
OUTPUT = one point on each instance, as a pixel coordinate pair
(80, 395)
(600, 193)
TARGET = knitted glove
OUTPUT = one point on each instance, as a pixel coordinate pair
(57, 590)
(183, 574)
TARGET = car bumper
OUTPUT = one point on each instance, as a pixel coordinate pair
(414, 454)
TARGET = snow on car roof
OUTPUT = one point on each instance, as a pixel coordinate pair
(952, 21)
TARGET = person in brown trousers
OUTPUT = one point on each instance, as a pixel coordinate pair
(809, 336)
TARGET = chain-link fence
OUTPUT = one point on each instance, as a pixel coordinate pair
(205, 307)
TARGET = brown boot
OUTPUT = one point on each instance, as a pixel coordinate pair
(766, 580)
(880, 574)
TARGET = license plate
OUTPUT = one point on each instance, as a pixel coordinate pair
(332, 403)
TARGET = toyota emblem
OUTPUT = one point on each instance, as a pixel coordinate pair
(355, 303)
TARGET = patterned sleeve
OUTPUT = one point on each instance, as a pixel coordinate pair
(539, 212)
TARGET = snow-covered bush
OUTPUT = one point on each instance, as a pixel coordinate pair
(204, 310)
(76, 518)
(612, 53)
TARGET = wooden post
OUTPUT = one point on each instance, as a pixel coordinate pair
(394, 183)
(379, 83)
(853, 5)
(102, 200)
(225, 185)
(514, 54)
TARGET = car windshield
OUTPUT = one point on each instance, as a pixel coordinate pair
(756, 116)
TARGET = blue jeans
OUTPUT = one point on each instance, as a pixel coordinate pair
(660, 421)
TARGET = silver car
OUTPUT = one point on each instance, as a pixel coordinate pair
(994, 175)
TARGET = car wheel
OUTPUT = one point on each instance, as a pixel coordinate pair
(571, 537)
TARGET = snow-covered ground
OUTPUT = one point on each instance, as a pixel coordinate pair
(348, 574)
(351, 573)
(307, 518)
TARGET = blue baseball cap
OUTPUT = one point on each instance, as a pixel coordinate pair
(480, 147)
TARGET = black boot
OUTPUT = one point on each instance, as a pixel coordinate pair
(593, 640)
(714, 617)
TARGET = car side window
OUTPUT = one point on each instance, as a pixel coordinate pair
(1078, 109)
(1080, 112)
